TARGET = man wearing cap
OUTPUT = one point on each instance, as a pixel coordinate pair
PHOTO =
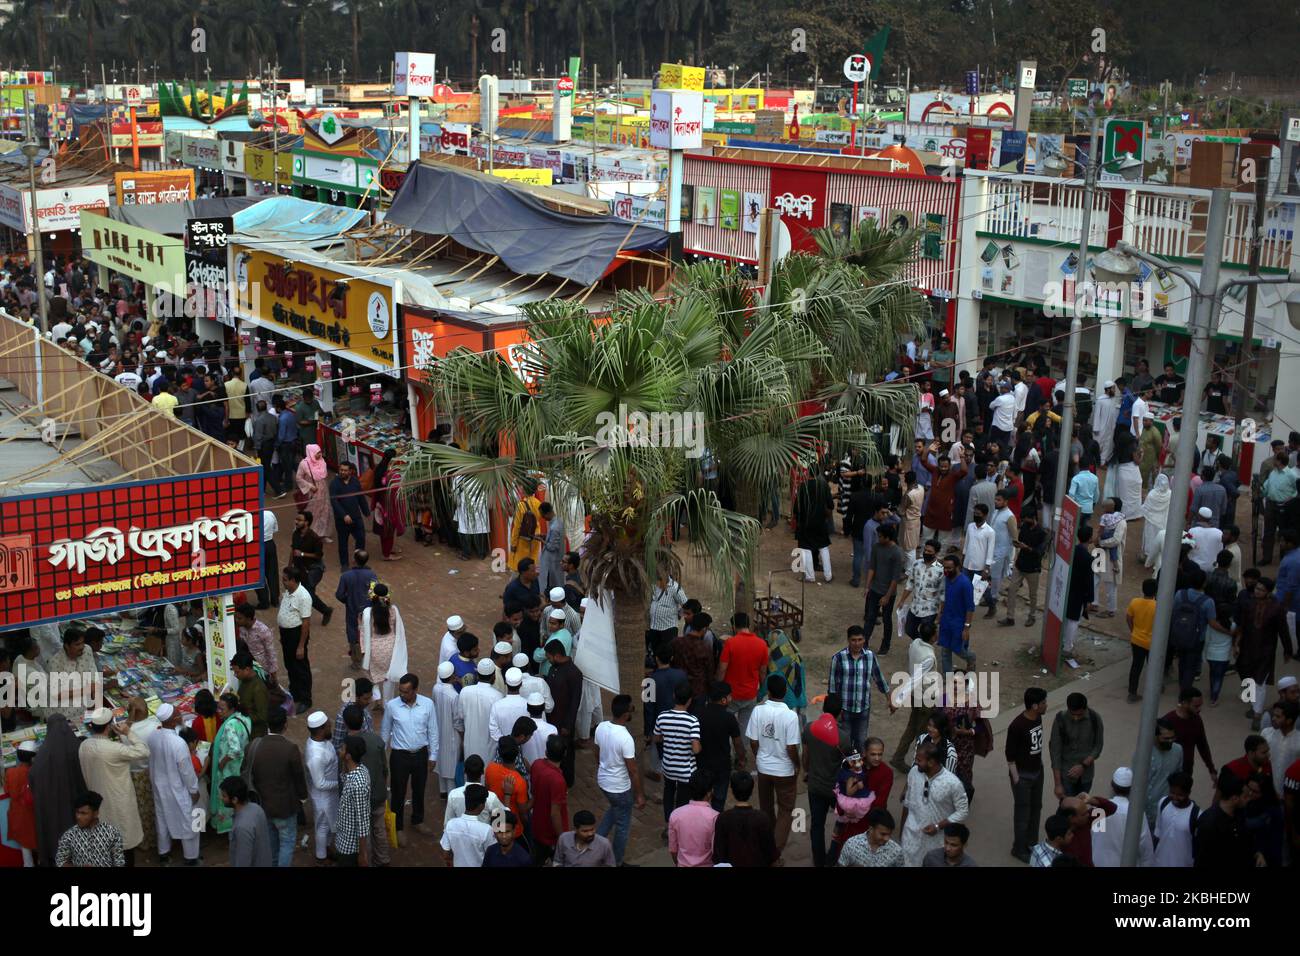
(474, 712)
(559, 601)
(503, 653)
(175, 788)
(535, 747)
(450, 767)
(106, 767)
(455, 628)
(1108, 841)
(532, 683)
(1207, 539)
(354, 589)
(1105, 413)
(508, 709)
(322, 763)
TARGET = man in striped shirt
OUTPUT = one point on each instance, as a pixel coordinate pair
(352, 820)
(677, 732)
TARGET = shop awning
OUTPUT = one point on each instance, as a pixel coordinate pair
(496, 217)
(287, 217)
(169, 218)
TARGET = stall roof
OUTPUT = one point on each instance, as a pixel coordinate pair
(288, 217)
(169, 218)
(494, 216)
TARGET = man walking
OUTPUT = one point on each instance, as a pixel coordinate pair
(853, 670)
(350, 511)
(354, 591)
(294, 620)
(550, 564)
(923, 589)
(1076, 744)
(956, 612)
(275, 770)
(377, 780)
(175, 788)
(884, 572)
(742, 665)
(773, 734)
(410, 729)
(106, 758)
(825, 744)
(1030, 545)
(1024, 753)
(617, 775)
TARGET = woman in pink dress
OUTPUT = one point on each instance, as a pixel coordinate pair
(313, 490)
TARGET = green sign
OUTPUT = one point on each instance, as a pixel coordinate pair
(1123, 144)
(739, 129)
(729, 209)
(1078, 89)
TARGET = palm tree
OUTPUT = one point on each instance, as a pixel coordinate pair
(713, 350)
(93, 14)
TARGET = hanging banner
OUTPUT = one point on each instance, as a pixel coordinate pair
(594, 650)
(800, 194)
(155, 259)
(70, 554)
(152, 189)
(219, 630)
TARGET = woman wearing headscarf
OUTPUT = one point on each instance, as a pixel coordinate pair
(1155, 513)
(227, 758)
(386, 506)
(1114, 533)
(313, 490)
(55, 782)
(383, 642)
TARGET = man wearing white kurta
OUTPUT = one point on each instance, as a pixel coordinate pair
(1108, 841)
(1105, 413)
(533, 684)
(444, 705)
(322, 765)
(504, 713)
(932, 799)
(535, 748)
(175, 789)
(455, 628)
(106, 766)
(474, 711)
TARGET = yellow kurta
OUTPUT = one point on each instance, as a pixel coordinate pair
(106, 765)
(519, 547)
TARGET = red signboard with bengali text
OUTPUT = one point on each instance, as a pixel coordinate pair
(800, 195)
(77, 553)
(1058, 582)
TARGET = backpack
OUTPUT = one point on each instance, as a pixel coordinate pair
(528, 525)
(1185, 627)
(1192, 819)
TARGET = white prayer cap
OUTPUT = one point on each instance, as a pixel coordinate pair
(514, 677)
(316, 719)
(1122, 777)
(1205, 513)
(520, 660)
(29, 746)
(557, 614)
(101, 717)
(164, 713)
(1287, 682)
(943, 392)
(445, 670)
(539, 655)
(454, 623)
(557, 594)
(586, 602)
(535, 700)
(502, 647)
(486, 667)
(1108, 384)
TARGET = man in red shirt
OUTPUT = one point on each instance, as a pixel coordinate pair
(880, 776)
(1254, 761)
(742, 665)
(550, 801)
(1083, 810)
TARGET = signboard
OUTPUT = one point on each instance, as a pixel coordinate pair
(1028, 75)
(565, 85)
(674, 76)
(413, 74)
(219, 630)
(343, 173)
(206, 242)
(155, 259)
(857, 68)
(652, 212)
(800, 195)
(58, 210)
(427, 336)
(148, 133)
(1123, 147)
(198, 151)
(330, 129)
(1058, 582)
(155, 188)
(1078, 89)
(232, 156)
(1293, 129)
(260, 164)
(537, 177)
(676, 120)
(327, 310)
(133, 96)
(69, 554)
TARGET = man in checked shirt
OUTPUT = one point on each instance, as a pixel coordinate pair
(352, 824)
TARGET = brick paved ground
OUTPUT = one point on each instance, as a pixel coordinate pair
(430, 583)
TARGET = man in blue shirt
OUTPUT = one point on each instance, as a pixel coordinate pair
(410, 728)
(1084, 489)
(350, 507)
(286, 449)
(1287, 590)
(955, 615)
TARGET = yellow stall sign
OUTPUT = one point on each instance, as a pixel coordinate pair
(674, 76)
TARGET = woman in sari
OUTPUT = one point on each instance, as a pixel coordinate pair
(1155, 513)
(383, 643)
(963, 713)
(386, 505)
(313, 490)
(227, 759)
(55, 781)
(206, 721)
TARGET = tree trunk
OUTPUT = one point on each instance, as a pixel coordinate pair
(668, 44)
(582, 41)
(302, 44)
(613, 41)
(528, 40)
(40, 41)
(356, 39)
(473, 48)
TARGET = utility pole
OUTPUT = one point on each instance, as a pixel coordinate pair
(1252, 295)
(1206, 303)
(30, 150)
(593, 115)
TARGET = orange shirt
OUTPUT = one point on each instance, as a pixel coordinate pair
(22, 814)
(494, 777)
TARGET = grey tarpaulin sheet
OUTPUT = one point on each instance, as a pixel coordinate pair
(504, 220)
